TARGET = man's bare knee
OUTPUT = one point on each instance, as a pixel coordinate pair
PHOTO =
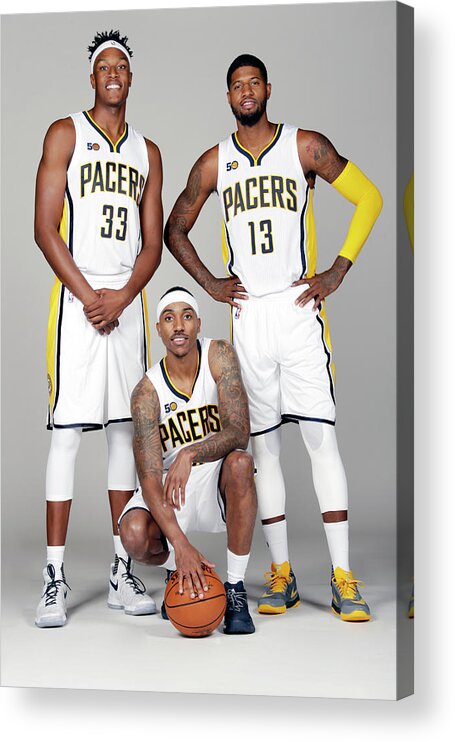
(239, 465)
(134, 535)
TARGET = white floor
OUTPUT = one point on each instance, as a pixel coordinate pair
(305, 652)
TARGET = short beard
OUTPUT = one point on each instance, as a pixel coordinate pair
(249, 119)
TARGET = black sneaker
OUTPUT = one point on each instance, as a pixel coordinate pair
(164, 615)
(237, 619)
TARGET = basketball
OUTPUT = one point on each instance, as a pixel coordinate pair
(196, 617)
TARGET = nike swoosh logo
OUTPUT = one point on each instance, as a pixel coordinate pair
(294, 593)
(114, 586)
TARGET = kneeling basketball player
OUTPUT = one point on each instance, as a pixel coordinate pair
(191, 426)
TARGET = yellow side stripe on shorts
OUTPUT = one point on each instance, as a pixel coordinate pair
(51, 347)
(147, 329)
(310, 233)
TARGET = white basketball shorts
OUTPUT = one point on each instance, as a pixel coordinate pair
(203, 510)
(91, 376)
(285, 355)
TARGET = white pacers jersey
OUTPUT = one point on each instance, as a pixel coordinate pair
(268, 237)
(183, 419)
(105, 181)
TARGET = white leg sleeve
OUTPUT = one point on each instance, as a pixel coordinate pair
(269, 477)
(329, 477)
(121, 471)
(61, 463)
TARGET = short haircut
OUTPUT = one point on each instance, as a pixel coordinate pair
(176, 288)
(103, 36)
(246, 60)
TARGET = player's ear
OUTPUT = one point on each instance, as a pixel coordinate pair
(158, 328)
(269, 90)
(92, 81)
(198, 325)
(131, 79)
(228, 97)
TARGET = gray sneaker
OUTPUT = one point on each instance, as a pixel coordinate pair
(51, 611)
(281, 590)
(127, 592)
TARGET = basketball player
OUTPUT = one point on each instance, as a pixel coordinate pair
(190, 416)
(98, 222)
(264, 175)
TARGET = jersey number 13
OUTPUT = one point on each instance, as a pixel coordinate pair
(265, 231)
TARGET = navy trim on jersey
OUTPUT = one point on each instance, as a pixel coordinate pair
(169, 383)
(119, 420)
(136, 507)
(99, 131)
(112, 147)
(219, 498)
(302, 234)
(327, 352)
(257, 162)
(267, 430)
(123, 138)
(276, 136)
(85, 426)
(231, 252)
(70, 218)
(289, 418)
(243, 151)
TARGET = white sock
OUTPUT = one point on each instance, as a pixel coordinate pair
(120, 549)
(277, 540)
(236, 566)
(54, 555)
(338, 541)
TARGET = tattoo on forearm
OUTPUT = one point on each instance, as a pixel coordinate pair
(146, 436)
(179, 224)
(232, 405)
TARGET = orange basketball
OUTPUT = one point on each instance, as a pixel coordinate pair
(196, 617)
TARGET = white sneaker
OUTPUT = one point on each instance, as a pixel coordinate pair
(51, 611)
(127, 592)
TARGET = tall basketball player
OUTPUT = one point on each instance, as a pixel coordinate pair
(98, 222)
(264, 175)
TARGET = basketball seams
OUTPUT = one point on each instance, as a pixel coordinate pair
(195, 610)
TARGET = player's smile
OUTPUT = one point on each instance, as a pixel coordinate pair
(179, 339)
(248, 103)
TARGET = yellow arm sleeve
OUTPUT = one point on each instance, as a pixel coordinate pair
(355, 186)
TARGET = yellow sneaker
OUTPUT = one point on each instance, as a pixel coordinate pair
(281, 590)
(347, 603)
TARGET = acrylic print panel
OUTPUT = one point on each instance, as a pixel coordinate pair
(333, 69)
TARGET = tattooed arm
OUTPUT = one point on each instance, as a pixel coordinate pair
(202, 181)
(318, 156)
(145, 410)
(234, 417)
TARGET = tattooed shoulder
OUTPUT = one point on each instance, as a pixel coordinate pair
(222, 357)
(319, 155)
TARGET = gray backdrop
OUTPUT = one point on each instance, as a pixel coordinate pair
(332, 69)
(178, 99)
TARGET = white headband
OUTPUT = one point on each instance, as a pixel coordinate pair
(108, 45)
(174, 296)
